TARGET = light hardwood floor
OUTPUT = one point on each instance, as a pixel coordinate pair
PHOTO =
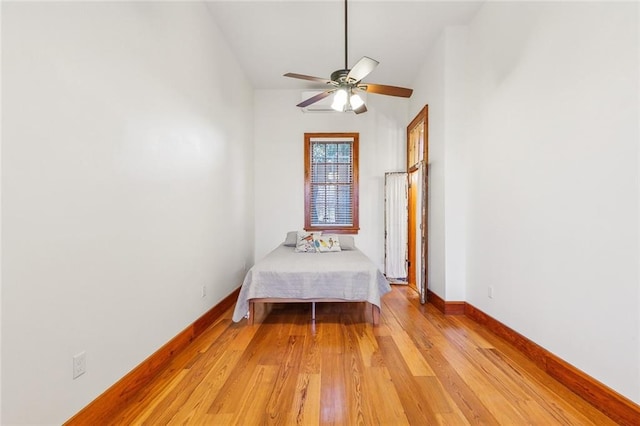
(418, 367)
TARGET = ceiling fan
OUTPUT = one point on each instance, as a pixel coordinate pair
(346, 83)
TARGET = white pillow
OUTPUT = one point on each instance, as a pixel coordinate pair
(326, 242)
(304, 242)
(291, 239)
(347, 242)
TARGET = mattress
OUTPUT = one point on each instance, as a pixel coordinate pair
(348, 275)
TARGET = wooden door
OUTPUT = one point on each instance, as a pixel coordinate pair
(418, 167)
(413, 226)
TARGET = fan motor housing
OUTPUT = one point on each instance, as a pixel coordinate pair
(340, 75)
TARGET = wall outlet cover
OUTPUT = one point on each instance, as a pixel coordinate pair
(79, 364)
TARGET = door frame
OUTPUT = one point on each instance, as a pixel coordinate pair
(411, 230)
(415, 161)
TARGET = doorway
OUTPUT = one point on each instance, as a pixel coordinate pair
(417, 169)
(396, 221)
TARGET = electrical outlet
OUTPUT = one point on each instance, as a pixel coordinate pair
(204, 291)
(79, 364)
(490, 292)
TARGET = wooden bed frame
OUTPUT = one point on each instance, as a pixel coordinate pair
(375, 310)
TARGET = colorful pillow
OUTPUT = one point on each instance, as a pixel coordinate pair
(304, 242)
(327, 242)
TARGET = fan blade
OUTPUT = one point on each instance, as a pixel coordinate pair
(360, 110)
(362, 68)
(382, 89)
(307, 77)
(314, 99)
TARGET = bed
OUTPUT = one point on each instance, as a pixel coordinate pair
(286, 275)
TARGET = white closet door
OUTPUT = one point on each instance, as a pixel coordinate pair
(396, 225)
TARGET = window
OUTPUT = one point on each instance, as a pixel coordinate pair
(331, 182)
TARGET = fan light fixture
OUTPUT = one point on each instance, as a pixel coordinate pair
(343, 101)
(340, 100)
(356, 101)
(346, 83)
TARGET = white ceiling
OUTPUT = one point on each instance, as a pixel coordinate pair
(271, 38)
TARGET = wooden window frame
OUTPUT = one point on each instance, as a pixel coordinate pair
(355, 226)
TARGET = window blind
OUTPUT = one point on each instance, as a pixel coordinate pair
(331, 202)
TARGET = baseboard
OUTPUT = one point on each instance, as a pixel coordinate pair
(447, 308)
(605, 399)
(117, 395)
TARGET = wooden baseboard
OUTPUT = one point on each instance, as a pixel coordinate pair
(447, 308)
(113, 398)
(605, 399)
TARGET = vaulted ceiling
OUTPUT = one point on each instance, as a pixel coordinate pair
(271, 38)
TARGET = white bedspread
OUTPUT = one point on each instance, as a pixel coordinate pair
(283, 273)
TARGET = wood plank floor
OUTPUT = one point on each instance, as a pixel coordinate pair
(418, 367)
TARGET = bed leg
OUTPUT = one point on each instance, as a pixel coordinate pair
(252, 313)
(313, 311)
(375, 314)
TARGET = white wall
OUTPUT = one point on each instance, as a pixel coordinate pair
(429, 88)
(1, 119)
(551, 195)
(127, 185)
(638, 205)
(441, 84)
(279, 172)
(456, 161)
